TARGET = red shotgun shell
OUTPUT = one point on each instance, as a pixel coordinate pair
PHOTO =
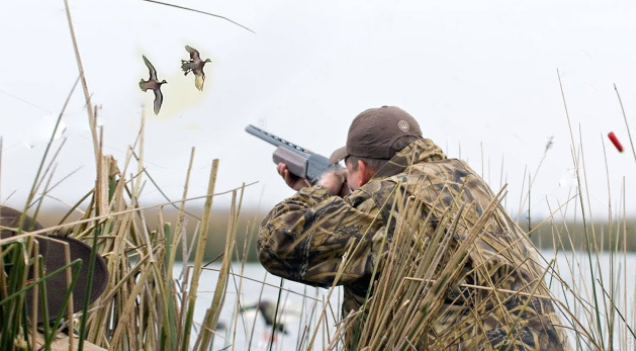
(615, 141)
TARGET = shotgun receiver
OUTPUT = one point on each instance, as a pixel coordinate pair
(300, 161)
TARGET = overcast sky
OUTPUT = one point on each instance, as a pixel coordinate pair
(479, 76)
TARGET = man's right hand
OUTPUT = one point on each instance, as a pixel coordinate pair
(292, 181)
(336, 182)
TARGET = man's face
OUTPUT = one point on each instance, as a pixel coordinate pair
(353, 176)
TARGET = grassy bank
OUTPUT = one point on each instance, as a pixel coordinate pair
(550, 234)
(569, 235)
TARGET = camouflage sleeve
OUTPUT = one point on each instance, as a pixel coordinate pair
(305, 237)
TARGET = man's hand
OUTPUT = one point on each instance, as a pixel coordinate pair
(292, 181)
(336, 182)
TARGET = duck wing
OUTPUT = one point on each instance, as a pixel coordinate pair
(194, 53)
(151, 68)
(158, 100)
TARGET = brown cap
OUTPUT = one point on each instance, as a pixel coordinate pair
(373, 132)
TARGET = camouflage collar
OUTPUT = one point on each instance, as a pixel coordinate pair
(423, 150)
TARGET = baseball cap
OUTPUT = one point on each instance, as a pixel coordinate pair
(374, 131)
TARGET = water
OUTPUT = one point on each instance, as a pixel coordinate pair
(607, 290)
(305, 302)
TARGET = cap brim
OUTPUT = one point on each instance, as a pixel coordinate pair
(338, 155)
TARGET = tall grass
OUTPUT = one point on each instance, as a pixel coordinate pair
(145, 306)
(148, 305)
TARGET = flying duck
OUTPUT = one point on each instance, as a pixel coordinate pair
(194, 65)
(154, 84)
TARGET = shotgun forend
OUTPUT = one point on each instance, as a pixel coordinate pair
(300, 161)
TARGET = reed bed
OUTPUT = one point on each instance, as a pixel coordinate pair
(149, 306)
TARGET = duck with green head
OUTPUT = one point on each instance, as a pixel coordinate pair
(195, 65)
(153, 84)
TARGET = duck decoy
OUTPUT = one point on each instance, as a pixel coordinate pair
(286, 314)
(194, 65)
(154, 84)
(51, 253)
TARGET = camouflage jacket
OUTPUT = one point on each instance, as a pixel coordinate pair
(305, 237)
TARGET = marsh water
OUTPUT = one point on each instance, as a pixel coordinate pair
(301, 304)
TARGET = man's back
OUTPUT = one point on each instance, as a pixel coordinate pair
(500, 298)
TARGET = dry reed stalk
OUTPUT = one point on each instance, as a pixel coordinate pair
(237, 305)
(345, 261)
(403, 238)
(425, 252)
(432, 301)
(260, 296)
(201, 12)
(580, 191)
(212, 314)
(87, 97)
(264, 283)
(629, 133)
(37, 267)
(198, 258)
(394, 321)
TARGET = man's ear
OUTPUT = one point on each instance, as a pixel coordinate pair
(364, 173)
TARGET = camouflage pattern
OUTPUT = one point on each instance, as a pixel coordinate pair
(305, 238)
